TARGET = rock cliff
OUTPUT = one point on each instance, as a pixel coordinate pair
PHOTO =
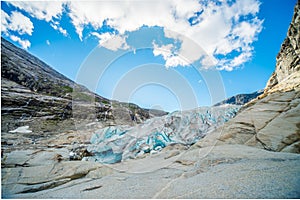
(286, 74)
(272, 121)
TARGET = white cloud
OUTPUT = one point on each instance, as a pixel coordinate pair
(4, 21)
(222, 29)
(50, 11)
(129, 15)
(117, 42)
(176, 60)
(169, 55)
(164, 50)
(102, 37)
(208, 61)
(60, 29)
(111, 41)
(42, 10)
(48, 42)
(16, 22)
(239, 60)
(218, 27)
(24, 43)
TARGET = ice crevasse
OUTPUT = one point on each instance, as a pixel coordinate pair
(116, 143)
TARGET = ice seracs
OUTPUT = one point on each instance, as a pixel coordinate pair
(116, 143)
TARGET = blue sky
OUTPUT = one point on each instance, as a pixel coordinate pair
(170, 55)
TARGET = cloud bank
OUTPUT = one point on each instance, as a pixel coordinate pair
(16, 23)
(224, 29)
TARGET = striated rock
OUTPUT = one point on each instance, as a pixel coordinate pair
(38, 178)
(292, 82)
(271, 123)
(29, 171)
(228, 171)
(30, 157)
(288, 58)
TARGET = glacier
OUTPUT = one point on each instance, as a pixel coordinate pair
(121, 142)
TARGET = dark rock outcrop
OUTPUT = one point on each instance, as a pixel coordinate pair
(240, 99)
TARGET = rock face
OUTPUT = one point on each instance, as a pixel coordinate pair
(288, 59)
(29, 171)
(272, 121)
(240, 99)
(34, 94)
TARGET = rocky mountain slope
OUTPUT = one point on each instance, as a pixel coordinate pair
(250, 156)
(34, 94)
(240, 99)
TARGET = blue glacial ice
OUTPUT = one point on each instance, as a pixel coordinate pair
(117, 143)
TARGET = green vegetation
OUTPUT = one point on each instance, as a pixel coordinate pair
(105, 102)
(67, 89)
(83, 96)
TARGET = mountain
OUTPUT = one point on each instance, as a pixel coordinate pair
(252, 155)
(34, 94)
(240, 99)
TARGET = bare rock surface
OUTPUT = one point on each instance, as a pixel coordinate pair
(272, 123)
(288, 58)
(227, 171)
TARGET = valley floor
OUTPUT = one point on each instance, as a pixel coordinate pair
(226, 171)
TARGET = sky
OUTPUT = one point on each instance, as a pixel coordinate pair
(169, 55)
